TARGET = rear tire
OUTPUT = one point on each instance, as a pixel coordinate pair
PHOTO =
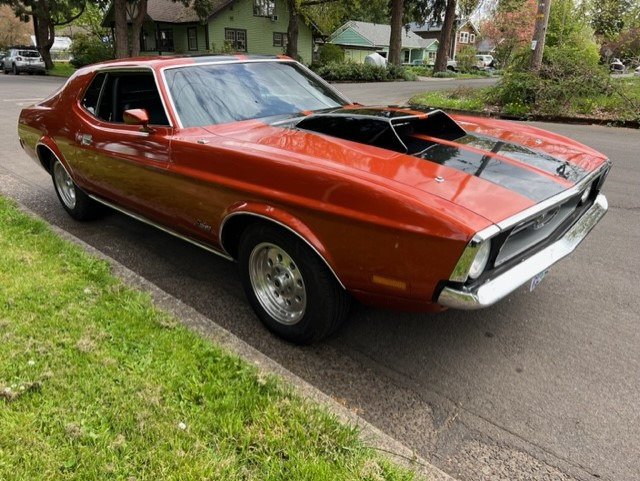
(290, 288)
(77, 204)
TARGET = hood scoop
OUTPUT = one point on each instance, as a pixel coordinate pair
(401, 130)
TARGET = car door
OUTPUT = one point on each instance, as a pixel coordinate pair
(124, 164)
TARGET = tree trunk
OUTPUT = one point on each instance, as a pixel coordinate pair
(395, 39)
(121, 35)
(136, 27)
(539, 34)
(445, 37)
(44, 32)
(292, 30)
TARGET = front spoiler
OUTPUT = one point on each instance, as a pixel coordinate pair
(496, 289)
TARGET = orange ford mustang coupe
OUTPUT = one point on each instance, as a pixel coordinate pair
(318, 199)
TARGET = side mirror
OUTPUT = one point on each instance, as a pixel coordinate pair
(137, 117)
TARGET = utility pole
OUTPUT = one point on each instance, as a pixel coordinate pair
(539, 33)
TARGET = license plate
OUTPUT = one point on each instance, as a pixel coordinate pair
(537, 279)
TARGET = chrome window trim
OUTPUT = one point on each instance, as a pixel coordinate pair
(112, 69)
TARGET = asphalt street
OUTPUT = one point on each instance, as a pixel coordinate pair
(543, 386)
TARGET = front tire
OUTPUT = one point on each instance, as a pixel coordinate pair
(289, 287)
(77, 204)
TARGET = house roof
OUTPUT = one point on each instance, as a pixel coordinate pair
(171, 12)
(168, 11)
(374, 35)
(437, 26)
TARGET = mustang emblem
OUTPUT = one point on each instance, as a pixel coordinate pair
(544, 219)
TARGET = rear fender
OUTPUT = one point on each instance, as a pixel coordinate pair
(47, 151)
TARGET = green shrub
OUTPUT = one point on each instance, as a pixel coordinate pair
(87, 49)
(466, 59)
(445, 74)
(329, 52)
(421, 70)
(360, 72)
(566, 76)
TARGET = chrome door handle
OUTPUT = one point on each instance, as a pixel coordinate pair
(85, 139)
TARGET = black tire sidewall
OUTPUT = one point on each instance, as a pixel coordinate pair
(85, 208)
(323, 310)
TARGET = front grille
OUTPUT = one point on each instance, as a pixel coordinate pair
(531, 232)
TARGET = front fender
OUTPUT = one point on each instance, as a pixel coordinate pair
(238, 216)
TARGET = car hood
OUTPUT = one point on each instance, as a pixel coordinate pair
(492, 168)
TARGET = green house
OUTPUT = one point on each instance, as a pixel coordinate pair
(359, 39)
(238, 26)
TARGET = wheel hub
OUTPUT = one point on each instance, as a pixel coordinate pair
(277, 283)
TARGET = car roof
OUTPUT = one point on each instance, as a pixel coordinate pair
(161, 61)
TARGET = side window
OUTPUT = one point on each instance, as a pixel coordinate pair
(131, 90)
(92, 94)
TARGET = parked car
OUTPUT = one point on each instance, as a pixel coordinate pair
(2, 56)
(23, 59)
(616, 66)
(318, 200)
(636, 71)
(484, 61)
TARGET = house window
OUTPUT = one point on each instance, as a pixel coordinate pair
(264, 8)
(147, 43)
(236, 39)
(472, 38)
(165, 43)
(464, 37)
(279, 39)
(192, 38)
(406, 56)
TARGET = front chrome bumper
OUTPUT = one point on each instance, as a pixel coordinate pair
(499, 287)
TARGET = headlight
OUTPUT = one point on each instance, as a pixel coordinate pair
(585, 194)
(480, 260)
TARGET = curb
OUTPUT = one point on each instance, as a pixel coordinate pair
(373, 437)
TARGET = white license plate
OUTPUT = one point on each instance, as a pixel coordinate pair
(537, 279)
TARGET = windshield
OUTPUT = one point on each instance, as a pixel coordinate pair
(219, 93)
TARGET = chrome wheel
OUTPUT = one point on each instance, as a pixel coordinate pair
(64, 185)
(277, 283)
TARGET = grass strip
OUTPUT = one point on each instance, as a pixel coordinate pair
(622, 103)
(96, 383)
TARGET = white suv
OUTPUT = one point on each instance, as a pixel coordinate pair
(23, 59)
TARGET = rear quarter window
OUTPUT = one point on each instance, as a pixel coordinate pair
(92, 94)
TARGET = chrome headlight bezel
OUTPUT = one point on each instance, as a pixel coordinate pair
(480, 259)
(475, 256)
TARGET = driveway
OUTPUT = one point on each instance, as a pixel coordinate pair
(543, 386)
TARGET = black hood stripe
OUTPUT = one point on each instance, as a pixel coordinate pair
(493, 160)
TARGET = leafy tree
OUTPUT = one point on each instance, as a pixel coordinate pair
(607, 16)
(46, 15)
(13, 30)
(510, 27)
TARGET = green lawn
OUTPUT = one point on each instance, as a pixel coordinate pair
(96, 383)
(61, 69)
